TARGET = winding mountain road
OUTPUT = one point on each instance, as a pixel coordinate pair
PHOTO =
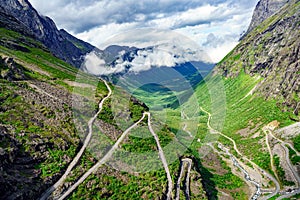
(184, 116)
(184, 129)
(177, 193)
(113, 149)
(239, 166)
(213, 131)
(83, 148)
(162, 157)
(189, 163)
(102, 161)
(296, 175)
(286, 150)
(285, 143)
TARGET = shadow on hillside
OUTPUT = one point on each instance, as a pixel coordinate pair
(206, 179)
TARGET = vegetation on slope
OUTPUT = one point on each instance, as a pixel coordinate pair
(39, 95)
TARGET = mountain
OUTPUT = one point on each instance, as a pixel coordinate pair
(143, 72)
(164, 87)
(44, 107)
(9, 22)
(113, 51)
(251, 101)
(263, 10)
(271, 51)
(45, 111)
(59, 42)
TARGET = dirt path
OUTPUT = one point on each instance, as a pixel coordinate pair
(247, 95)
(286, 143)
(102, 161)
(80, 153)
(162, 157)
(270, 152)
(286, 150)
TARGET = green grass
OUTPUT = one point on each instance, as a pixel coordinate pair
(41, 58)
(281, 172)
(296, 142)
(149, 185)
(293, 156)
(229, 180)
(55, 163)
(224, 98)
(17, 112)
(241, 110)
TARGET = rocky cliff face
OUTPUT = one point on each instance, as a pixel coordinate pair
(263, 10)
(11, 23)
(271, 51)
(60, 43)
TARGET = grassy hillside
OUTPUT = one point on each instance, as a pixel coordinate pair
(249, 88)
(45, 106)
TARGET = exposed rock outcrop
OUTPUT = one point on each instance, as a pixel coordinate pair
(60, 43)
(263, 10)
(272, 51)
(10, 70)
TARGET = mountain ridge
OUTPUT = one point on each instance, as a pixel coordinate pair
(271, 51)
(263, 10)
(59, 42)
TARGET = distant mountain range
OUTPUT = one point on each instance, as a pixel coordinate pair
(146, 72)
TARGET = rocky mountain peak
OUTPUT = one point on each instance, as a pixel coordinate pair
(272, 52)
(24, 3)
(263, 10)
(60, 43)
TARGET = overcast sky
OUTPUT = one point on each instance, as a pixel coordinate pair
(215, 25)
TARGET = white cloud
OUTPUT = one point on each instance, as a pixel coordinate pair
(168, 49)
(97, 66)
(98, 22)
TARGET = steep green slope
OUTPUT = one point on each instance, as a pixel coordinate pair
(255, 84)
(261, 76)
(271, 51)
(45, 108)
(42, 125)
(260, 79)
